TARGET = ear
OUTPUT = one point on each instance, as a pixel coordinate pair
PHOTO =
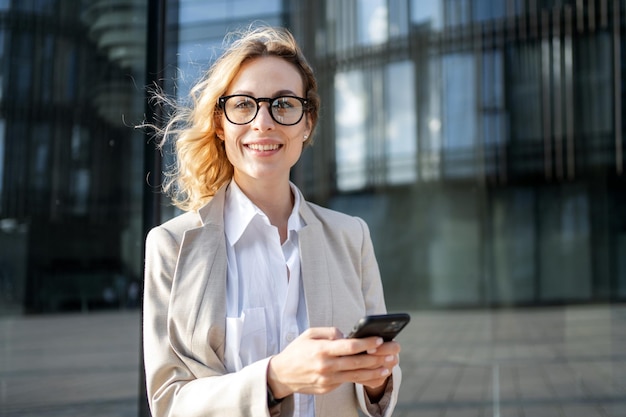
(307, 131)
(219, 132)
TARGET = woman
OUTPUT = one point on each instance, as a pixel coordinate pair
(247, 295)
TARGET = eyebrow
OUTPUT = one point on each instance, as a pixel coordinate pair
(276, 94)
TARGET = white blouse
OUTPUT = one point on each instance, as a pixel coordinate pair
(265, 304)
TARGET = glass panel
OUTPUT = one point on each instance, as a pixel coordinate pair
(401, 126)
(593, 78)
(524, 93)
(430, 113)
(565, 258)
(455, 234)
(197, 11)
(350, 124)
(2, 171)
(459, 115)
(514, 246)
(493, 114)
(71, 184)
(69, 159)
(484, 10)
(457, 12)
(398, 18)
(373, 21)
(427, 12)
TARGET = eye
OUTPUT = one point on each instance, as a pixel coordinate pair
(242, 103)
(285, 103)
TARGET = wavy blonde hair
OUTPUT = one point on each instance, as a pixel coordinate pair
(201, 166)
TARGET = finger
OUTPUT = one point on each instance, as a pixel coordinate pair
(348, 347)
(371, 377)
(329, 333)
(387, 348)
(355, 362)
(365, 361)
(375, 383)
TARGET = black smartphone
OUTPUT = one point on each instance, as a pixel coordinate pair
(386, 326)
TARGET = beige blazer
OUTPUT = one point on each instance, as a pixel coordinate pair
(185, 311)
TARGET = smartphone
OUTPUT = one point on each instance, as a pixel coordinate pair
(386, 326)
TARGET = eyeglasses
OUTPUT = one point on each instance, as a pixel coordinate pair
(241, 109)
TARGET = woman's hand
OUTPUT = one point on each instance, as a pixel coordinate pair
(321, 359)
(376, 388)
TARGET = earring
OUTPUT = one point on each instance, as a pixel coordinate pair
(306, 137)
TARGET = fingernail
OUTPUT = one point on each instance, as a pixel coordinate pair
(372, 351)
(385, 372)
(379, 341)
(389, 358)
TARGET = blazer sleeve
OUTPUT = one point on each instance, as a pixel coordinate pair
(375, 304)
(180, 384)
(371, 284)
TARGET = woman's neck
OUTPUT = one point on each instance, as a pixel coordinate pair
(274, 199)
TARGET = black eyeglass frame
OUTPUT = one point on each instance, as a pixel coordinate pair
(221, 102)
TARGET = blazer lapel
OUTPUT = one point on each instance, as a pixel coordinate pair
(315, 273)
(199, 296)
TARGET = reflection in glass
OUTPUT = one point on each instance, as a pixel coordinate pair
(373, 21)
(351, 112)
(427, 12)
(72, 168)
(2, 147)
(459, 123)
(401, 123)
(514, 246)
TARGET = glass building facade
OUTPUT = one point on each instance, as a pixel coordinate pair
(72, 76)
(499, 179)
(481, 140)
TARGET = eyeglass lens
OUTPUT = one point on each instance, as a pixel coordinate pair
(285, 110)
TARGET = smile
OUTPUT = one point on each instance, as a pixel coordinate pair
(266, 147)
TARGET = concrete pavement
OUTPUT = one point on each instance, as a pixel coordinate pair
(565, 361)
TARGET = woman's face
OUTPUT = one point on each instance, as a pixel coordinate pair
(264, 149)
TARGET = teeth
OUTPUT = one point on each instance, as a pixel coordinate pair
(258, 147)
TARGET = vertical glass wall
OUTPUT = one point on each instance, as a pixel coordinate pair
(71, 89)
(72, 79)
(483, 143)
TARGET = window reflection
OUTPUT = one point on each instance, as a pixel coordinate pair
(351, 113)
(2, 168)
(514, 246)
(376, 137)
(194, 11)
(364, 23)
(485, 10)
(459, 115)
(72, 76)
(373, 21)
(514, 155)
(458, 12)
(427, 12)
(401, 124)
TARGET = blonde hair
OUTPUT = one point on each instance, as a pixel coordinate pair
(201, 166)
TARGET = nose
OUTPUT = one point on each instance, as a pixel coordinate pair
(263, 120)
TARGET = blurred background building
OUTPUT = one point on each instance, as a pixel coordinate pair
(481, 140)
